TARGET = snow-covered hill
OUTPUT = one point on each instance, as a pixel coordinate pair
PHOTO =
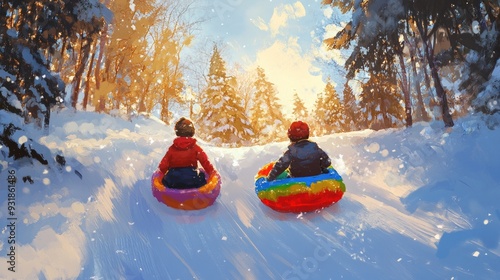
(421, 203)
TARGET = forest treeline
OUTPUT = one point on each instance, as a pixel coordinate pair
(112, 56)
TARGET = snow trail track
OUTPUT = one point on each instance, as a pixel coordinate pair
(412, 210)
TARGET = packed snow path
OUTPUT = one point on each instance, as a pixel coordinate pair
(421, 203)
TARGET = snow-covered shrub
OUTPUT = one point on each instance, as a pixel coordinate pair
(488, 100)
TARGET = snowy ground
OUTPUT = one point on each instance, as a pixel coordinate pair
(421, 203)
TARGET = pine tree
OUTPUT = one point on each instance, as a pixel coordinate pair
(319, 116)
(376, 27)
(299, 109)
(222, 119)
(334, 110)
(259, 114)
(266, 117)
(31, 33)
(380, 104)
(351, 110)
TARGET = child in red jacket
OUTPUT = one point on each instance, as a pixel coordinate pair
(180, 163)
(303, 158)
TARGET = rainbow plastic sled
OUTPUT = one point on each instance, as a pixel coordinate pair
(186, 199)
(301, 194)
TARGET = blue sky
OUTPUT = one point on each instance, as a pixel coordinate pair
(282, 37)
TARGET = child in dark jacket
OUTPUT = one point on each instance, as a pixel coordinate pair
(180, 163)
(303, 158)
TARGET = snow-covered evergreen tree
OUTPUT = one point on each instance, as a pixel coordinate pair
(299, 109)
(31, 33)
(222, 119)
(334, 109)
(479, 73)
(266, 116)
(351, 109)
(318, 128)
(488, 101)
(380, 104)
(376, 27)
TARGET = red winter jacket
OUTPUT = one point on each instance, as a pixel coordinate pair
(185, 153)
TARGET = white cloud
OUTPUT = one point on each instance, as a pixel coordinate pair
(260, 23)
(278, 20)
(283, 13)
(290, 71)
(300, 11)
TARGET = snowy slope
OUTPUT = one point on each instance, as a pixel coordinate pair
(421, 203)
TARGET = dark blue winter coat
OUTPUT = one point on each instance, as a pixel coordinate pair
(303, 158)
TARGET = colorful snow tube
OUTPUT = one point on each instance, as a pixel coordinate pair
(300, 194)
(186, 199)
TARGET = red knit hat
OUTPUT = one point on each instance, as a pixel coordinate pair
(298, 130)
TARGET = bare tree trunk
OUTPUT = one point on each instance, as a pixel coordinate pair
(89, 74)
(46, 123)
(142, 101)
(445, 111)
(84, 54)
(61, 59)
(426, 77)
(101, 104)
(191, 103)
(406, 90)
(429, 53)
(420, 110)
(100, 107)
(164, 109)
